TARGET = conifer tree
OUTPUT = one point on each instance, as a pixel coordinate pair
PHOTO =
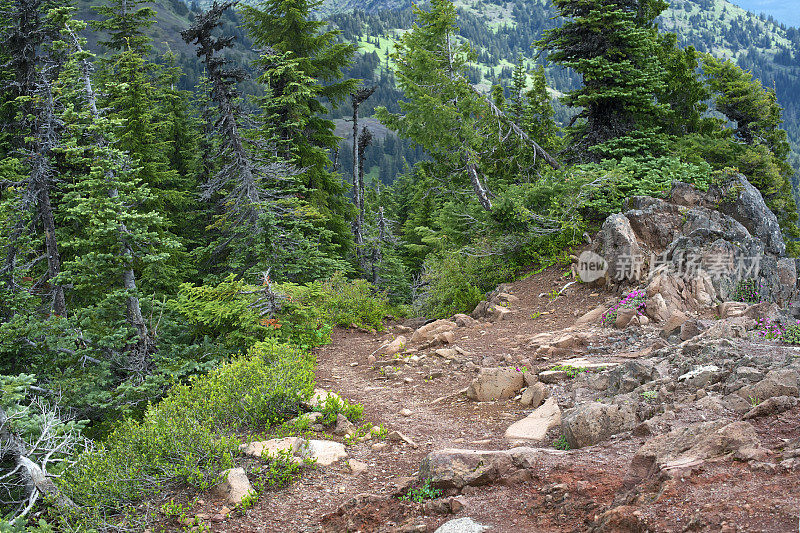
(441, 110)
(114, 235)
(304, 136)
(134, 100)
(461, 128)
(263, 224)
(756, 145)
(35, 63)
(125, 22)
(181, 137)
(245, 181)
(181, 127)
(684, 92)
(612, 45)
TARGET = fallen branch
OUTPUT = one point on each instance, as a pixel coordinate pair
(496, 111)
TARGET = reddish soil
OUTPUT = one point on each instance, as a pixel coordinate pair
(566, 492)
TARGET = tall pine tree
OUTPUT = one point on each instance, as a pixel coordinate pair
(304, 136)
(124, 22)
(612, 45)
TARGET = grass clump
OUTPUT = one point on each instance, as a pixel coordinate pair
(561, 443)
(650, 395)
(424, 492)
(791, 335)
(571, 371)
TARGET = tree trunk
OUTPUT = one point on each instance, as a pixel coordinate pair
(480, 190)
(377, 252)
(53, 257)
(357, 98)
(36, 481)
(40, 176)
(139, 361)
(357, 227)
(364, 140)
(538, 150)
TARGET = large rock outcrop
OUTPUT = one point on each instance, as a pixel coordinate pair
(695, 247)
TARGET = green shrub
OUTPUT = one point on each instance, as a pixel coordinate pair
(334, 405)
(228, 312)
(635, 177)
(571, 371)
(279, 472)
(561, 443)
(791, 335)
(451, 285)
(338, 301)
(222, 313)
(185, 438)
(19, 527)
(422, 493)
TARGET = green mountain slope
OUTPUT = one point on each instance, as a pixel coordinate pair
(172, 17)
(501, 31)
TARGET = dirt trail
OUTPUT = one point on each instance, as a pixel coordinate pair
(565, 492)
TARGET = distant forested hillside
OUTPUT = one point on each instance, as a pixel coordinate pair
(501, 32)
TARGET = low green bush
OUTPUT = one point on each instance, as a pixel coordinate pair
(229, 312)
(19, 527)
(453, 283)
(424, 492)
(186, 439)
(338, 301)
(635, 177)
(334, 405)
(748, 290)
(791, 334)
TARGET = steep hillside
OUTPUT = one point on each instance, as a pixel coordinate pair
(172, 17)
(503, 31)
(769, 49)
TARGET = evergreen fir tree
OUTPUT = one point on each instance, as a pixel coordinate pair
(264, 224)
(134, 101)
(441, 111)
(756, 145)
(34, 63)
(684, 92)
(611, 44)
(181, 138)
(113, 235)
(304, 136)
(125, 23)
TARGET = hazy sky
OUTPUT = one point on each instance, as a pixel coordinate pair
(786, 11)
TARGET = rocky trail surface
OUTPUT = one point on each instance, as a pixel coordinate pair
(540, 413)
(738, 482)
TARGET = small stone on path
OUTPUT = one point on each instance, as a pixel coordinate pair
(234, 486)
(461, 525)
(325, 452)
